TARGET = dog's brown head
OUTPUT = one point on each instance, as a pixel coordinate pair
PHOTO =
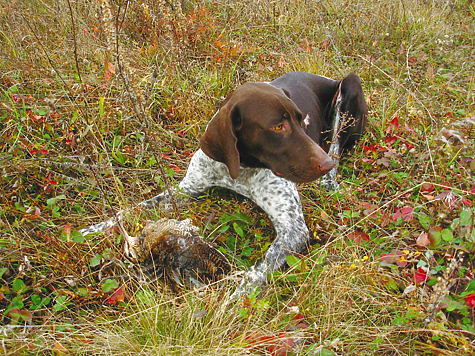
(259, 126)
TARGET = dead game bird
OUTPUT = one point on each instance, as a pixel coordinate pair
(179, 253)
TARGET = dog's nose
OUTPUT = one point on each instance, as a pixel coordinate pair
(326, 166)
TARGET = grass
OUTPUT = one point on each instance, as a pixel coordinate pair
(102, 105)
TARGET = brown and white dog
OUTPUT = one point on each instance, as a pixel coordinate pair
(265, 138)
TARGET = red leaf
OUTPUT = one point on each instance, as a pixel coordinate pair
(391, 140)
(17, 314)
(369, 208)
(405, 213)
(67, 231)
(427, 187)
(358, 236)
(385, 220)
(420, 276)
(369, 148)
(117, 296)
(395, 256)
(396, 215)
(423, 240)
(470, 300)
(472, 190)
(298, 317)
(164, 156)
(111, 67)
(393, 125)
(282, 346)
(408, 145)
(59, 349)
(175, 167)
(383, 161)
(182, 132)
(255, 338)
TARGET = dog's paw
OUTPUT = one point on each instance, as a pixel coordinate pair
(253, 279)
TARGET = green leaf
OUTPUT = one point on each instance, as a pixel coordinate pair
(323, 352)
(35, 299)
(471, 235)
(434, 235)
(447, 235)
(61, 303)
(293, 261)
(42, 111)
(37, 302)
(2, 271)
(247, 251)
(17, 302)
(243, 313)
(223, 229)
(18, 285)
(95, 261)
(238, 230)
(52, 201)
(109, 284)
(425, 220)
(452, 305)
(350, 214)
(82, 292)
(470, 286)
(465, 217)
(55, 212)
(77, 237)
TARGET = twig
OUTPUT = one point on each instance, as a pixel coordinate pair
(74, 41)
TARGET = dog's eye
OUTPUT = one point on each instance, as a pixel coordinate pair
(279, 127)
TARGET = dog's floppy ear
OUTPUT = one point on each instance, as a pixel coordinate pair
(286, 92)
(219, 140)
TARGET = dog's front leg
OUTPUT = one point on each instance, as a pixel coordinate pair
(200, 176)
(328, 181)
(280, 200)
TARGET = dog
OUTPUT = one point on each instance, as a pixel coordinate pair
(265, 138)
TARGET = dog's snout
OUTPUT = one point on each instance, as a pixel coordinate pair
(326, 166)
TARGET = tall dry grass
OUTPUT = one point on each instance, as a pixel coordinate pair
(115, 92)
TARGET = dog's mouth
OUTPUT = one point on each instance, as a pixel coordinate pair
(295, 177)
(303, 174)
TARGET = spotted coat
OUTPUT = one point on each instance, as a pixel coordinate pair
(277, 196)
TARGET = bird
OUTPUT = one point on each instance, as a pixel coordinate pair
(179, 254)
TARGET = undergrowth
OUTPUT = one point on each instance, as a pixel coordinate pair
(101, 107)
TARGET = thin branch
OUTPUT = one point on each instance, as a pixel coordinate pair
(74, 41)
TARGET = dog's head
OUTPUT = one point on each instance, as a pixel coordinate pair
(259, 126)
